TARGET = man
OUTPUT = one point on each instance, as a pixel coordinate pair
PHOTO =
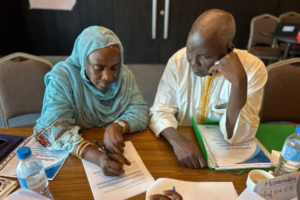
(210, 81)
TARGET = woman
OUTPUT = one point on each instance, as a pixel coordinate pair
(92, 88)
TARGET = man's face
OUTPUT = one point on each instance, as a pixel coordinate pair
(102, 67)
(202, 52)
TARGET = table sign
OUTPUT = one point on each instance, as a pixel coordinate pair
(284, 187)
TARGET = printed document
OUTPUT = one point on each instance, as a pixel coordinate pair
(194, 190)
(134, 181)
(52, 160)
(249, 154)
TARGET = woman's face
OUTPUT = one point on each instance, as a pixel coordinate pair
(102, 67)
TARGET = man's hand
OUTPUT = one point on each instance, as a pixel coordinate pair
(174, 195)
(231, 68)
(113, 139)
(188, 154)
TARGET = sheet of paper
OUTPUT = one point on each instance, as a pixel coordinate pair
(249, 194)
(134, 181)
(25, 194)
(194, 190)
(52, 161)
(284, 187)
(52, 4)
(227, 155)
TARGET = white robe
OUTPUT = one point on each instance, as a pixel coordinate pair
(182, 95)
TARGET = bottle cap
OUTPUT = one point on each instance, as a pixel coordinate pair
(23, 153)
(298, 129)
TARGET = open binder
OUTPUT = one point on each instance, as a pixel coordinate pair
(222, 156)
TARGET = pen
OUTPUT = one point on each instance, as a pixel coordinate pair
(127, 162)
(106, 152)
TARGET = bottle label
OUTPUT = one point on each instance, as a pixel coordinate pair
(34, 182)
(23, 183)
(290, 153)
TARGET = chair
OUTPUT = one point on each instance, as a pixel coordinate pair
(292, 17)
(281, 93)
(21, 85)
(262, 46)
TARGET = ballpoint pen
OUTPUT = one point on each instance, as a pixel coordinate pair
(106, 152)
(127, 162)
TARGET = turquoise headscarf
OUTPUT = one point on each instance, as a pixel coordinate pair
(69, 93)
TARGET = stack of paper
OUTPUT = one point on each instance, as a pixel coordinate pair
(221, 155)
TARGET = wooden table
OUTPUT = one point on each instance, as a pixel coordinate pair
(157, 154)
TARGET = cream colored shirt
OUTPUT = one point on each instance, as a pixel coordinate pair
(182, 95)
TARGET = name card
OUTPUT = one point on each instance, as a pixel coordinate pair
(284, 187)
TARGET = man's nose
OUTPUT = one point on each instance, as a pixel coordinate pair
(194, 61)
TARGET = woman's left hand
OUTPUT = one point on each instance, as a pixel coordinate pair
(113, 139)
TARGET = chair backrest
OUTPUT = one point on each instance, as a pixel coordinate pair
(290, 17)
(281, 101)
(262, 23)
(21, 85)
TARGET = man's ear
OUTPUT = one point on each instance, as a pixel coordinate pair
(230, 48)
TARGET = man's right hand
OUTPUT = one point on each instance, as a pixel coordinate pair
(188, 154)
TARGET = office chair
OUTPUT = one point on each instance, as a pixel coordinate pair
(262, 46)
(292, 17)
(281, 92)
(22, 85)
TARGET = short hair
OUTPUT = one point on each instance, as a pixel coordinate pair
(218, 22)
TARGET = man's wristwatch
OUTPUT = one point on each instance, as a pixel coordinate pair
(121, 123)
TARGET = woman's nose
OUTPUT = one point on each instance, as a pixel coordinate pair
(107, 75)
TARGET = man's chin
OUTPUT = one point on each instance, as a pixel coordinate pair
(201, 74)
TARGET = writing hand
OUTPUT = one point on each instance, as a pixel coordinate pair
(113, 139)
(166, 193)
(112, 167)
(231, 68)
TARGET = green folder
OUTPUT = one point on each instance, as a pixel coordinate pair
(272, 137)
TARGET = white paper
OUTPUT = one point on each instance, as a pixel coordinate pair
(243, 155)
(279, 188)
(25, 194)
(52, 160)
(52, 4)
(248, 194)
(194, 190)
(134, 181)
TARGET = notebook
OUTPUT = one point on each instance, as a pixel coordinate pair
(255, 153)
(286, 29)
(12, 142)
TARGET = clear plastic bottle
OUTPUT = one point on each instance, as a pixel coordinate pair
(289, 160)
(31, 173)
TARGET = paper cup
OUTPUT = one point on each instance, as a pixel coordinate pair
(257, 175)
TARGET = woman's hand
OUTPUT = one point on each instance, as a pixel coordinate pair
(113, 139)
(174, 195)
(111, 167)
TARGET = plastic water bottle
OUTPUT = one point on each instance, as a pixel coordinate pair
(31, 173)
(289, 160)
